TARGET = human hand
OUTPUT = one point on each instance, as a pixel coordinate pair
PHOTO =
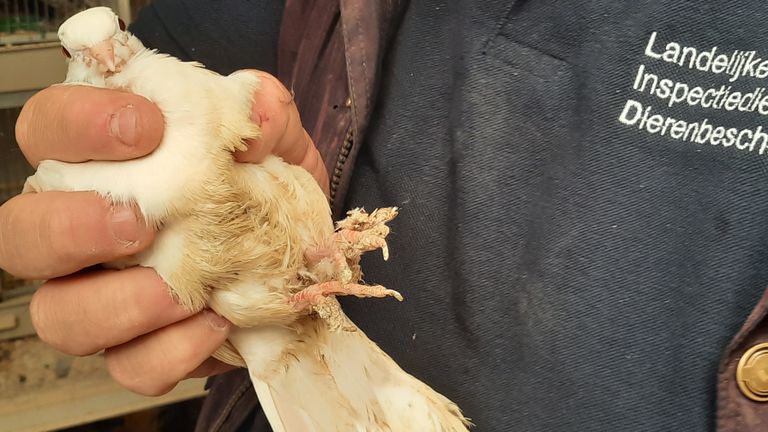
(149, 342)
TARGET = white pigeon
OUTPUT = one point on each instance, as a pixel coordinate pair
(254, 242)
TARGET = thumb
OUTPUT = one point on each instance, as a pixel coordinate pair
(78, 123)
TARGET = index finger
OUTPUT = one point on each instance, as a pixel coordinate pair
(50, 234)
(74, 123)
(282, 133)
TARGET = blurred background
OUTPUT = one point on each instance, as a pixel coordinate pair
(40, 389)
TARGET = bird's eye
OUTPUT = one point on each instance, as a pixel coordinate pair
(121, 23)
(66, 53)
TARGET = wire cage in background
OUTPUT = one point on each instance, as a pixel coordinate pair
(34, 21)
(14, 169)
(37, 21)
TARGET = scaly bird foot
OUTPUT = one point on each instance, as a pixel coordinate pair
(361, 232)
(341, 267)
(329, 310)
(359, 220)
(314, 295)
(355, 243)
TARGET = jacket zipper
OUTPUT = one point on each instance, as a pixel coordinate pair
(338, 170)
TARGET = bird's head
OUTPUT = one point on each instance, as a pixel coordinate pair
(97, 39)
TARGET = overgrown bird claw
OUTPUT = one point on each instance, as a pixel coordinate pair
(314, 295)
(358, 233)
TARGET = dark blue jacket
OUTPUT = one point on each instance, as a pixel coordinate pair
(583, 186)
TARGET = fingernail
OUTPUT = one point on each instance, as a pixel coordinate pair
(216, 321)
(123, 125)
(125, 225)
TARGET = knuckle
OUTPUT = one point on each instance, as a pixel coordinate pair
(57, 232)
(134, 306)
(188, 357)
(76, 230)
(279, 98)
(129, 375)
(279, 115)
(129, 312)
(186, 354)
(271, 84)
(119, 370)
(43, 310)
(191, 351)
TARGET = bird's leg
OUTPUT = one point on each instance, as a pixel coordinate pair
(360, 220)
(362, 232)
(358, 233)
(316, 254)
(314, 295)
(355, 243)
(329, 310)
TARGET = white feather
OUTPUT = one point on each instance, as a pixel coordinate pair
(339, 381)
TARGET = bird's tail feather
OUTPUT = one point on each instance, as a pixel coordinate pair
(339, 381)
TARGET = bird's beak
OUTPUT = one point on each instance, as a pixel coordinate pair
(104, 53)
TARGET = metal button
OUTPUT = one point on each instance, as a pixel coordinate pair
(752, 373)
